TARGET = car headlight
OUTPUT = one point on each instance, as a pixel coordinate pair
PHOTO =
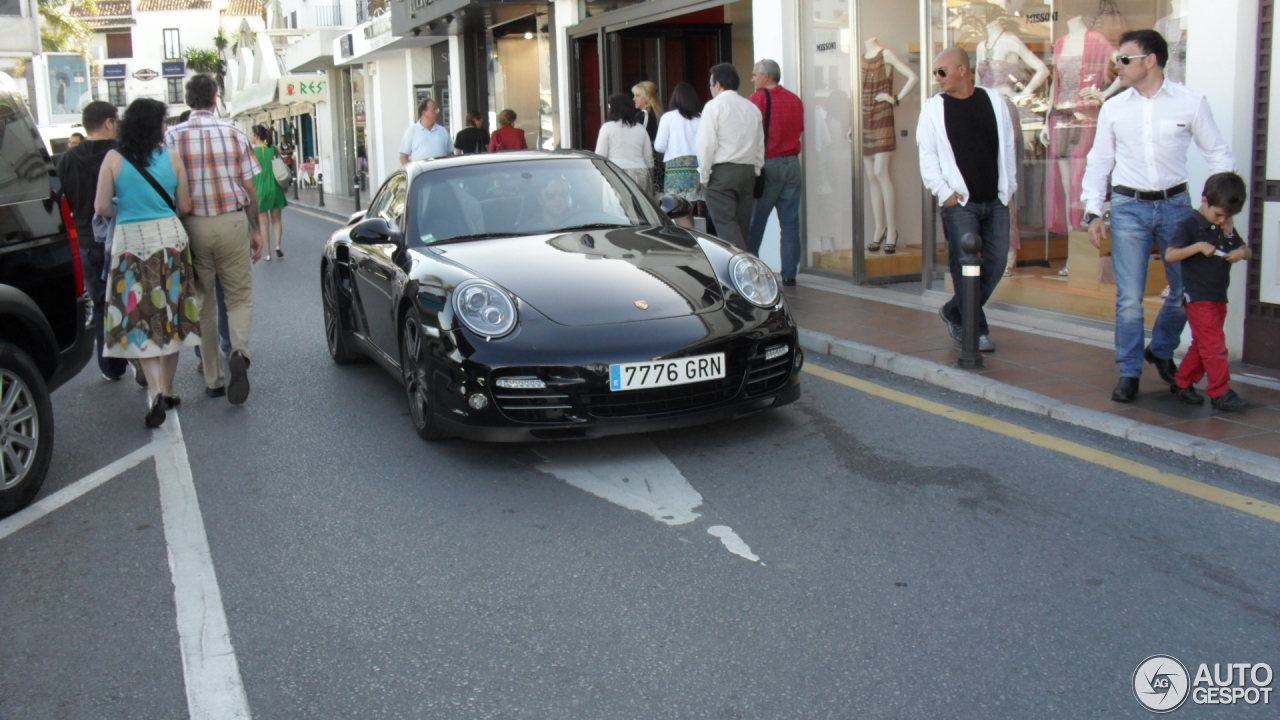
(754, 280)
(484, 308)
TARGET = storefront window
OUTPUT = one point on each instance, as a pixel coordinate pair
(520, 77)
(1054, 65)
(829, 152)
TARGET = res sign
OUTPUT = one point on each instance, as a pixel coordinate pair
(304, 88)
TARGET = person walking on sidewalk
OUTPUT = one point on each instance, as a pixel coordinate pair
(966, 141)
(730, 155)
(1140, 151)
(78, 170)
(677, 138)
(623, 141)
(783, 124)
(224, 231)
(473, 138)
(1206, 250)
(425, 139)
(271, 200)
(507, 136)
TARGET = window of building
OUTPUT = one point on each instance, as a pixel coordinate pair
(176, 95)
(293, 20)
(119, 45)
(115, 92)
(10, 7)
(172, 47)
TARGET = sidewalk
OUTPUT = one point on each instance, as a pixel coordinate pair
(1056, 367)
(339, 205)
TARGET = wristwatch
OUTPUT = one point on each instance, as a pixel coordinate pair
(1089, 218)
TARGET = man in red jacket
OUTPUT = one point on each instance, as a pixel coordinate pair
(783, 115)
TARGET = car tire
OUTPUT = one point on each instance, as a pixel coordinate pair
(335, 330)
(26, 429)
(416, 373)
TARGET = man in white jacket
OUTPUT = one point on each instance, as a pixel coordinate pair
(967, 161)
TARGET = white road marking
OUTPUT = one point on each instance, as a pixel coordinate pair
(316, 215)
(732, 542)
(633, 472)
(215, 690)
(19, 520)
(630, 472)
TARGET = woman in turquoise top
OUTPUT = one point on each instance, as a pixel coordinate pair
(151, 299)
(270, 195)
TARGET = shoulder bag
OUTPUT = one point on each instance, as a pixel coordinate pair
(168, 199)
(758, 191)
(280, 170)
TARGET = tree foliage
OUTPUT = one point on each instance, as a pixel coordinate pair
(61, 29)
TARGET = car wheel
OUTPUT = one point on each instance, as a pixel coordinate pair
(26, 429)
(416, 371)
(335, 332)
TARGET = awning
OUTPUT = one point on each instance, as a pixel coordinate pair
(271, 96)
(254, 97)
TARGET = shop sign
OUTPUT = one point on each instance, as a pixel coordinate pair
(145, 75)
(419, 4)
(305, 88)
(823, 47)
(346, 45)
(173, 68)
(114, 71)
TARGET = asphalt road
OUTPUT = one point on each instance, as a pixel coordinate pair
(908, 565)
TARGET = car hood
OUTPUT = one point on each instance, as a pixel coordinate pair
(598, 277)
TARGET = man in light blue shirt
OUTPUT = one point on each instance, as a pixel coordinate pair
(425, 139)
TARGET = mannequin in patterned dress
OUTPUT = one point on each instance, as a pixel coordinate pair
(878, 64)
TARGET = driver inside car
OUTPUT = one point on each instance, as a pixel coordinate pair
(554, 203)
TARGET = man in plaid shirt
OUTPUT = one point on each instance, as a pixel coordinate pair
(223, 230)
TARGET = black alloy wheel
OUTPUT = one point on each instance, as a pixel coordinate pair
(416, 371)
(26, 429)
(335, 333)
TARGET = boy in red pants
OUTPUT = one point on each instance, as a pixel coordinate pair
(1207, 246)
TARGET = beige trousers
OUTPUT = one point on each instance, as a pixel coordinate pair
(220, 250)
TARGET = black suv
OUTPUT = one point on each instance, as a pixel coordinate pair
(46, 319)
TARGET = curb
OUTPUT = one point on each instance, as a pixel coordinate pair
(321, 210)
(961, 381)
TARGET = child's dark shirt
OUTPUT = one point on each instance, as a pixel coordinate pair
(1205, 277)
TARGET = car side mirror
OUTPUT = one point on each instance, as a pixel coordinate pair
(356, 217)
(374, 231)
(675, 207)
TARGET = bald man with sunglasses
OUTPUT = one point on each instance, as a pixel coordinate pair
(967, 161)
(1139, 155)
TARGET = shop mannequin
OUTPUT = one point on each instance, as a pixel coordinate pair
(1174, 29)
(878, 141)
(1082, 64)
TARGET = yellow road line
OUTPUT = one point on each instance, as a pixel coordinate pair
(1177, 483)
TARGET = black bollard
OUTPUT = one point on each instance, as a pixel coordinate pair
(297, 180)
(320, 187)
(355, 186)
(970, 288)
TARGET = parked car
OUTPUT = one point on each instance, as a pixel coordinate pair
(46, 318)
(541, 295)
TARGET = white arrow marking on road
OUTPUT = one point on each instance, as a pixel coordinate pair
(215, 690)
(633, 472)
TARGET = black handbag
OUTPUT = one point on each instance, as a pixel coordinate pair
(758, 190)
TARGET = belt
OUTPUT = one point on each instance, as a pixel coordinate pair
(1149, 195)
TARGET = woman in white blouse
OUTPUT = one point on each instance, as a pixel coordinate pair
(677, 134)
(625, 142)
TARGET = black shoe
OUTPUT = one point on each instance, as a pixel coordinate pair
(957, 333)
(1229, 401)
(215, 392)
(788, 282)
(155, 416)
(171, 402)
(1167, 368)
(1187, 395)
(1126, 390)
(238, 386)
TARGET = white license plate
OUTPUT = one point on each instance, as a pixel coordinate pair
(661, 373)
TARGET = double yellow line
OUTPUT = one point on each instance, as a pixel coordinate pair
(1187, 486)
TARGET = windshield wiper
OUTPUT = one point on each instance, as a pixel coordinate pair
(475, 236)
(592, 226)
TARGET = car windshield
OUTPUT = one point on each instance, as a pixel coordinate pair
(527, 197)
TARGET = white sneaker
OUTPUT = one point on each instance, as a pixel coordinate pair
(985, 344)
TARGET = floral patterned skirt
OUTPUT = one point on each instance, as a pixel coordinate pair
(151, 307)
(682, 178)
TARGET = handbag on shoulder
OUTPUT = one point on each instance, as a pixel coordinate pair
(281, 171)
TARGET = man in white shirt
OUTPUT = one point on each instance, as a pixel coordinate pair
(1141, 151)
(730, 154)
(426, 138)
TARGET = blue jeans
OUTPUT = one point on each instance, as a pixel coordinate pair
(1135, 225)
(782, 190)
(990, 222)
(224, 329)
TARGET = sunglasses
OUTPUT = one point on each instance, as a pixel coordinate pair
(1126, 59)
(940, 72)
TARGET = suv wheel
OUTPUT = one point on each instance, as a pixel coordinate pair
(26, 429)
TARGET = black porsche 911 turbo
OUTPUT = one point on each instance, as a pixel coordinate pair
(541, 295)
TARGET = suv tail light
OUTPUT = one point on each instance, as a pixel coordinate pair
(73, 240)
